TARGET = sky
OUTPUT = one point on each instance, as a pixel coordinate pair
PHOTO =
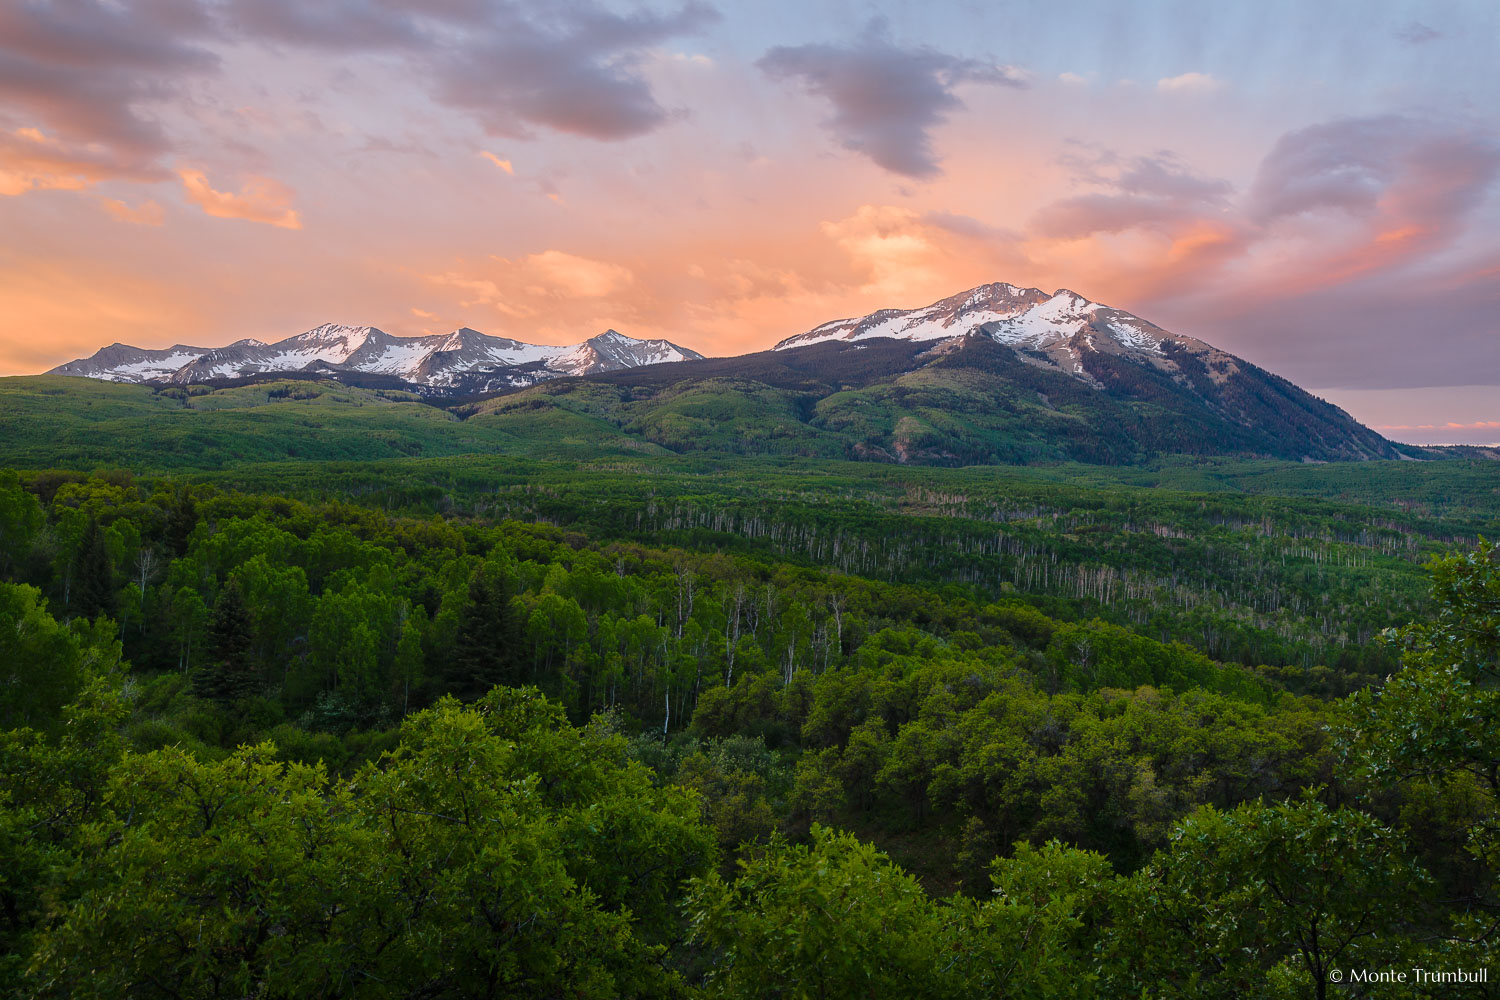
(1314, 186)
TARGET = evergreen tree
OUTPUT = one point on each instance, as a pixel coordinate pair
(182, 517)
(486, 650)
(229, 674)
(93, 591)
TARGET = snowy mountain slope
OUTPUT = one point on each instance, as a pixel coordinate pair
(950, 317)
(464, 361)
(1056, 330)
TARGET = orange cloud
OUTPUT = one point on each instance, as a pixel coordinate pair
(502, 164)
(575, 275)
(559, 293)
(147, 213)
(890, 246)
(1478, 425)
(262, 199)
(31, 160)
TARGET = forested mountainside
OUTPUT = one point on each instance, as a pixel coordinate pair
(971, 401)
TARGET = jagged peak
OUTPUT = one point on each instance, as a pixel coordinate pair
(337, 331)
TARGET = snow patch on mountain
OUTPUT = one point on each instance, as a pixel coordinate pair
(1054, 330)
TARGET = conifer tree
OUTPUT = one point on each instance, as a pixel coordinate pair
(229, 674)
(93, 575)
(486, 651)
(182, 517)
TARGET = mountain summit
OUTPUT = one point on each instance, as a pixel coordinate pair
(1058, 330)
(464, 362)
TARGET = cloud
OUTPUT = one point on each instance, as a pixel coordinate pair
(1477, 425)
(348, 25)
(897, 255)
(1365, 230)
(148, 213)
(886, 99)
(31, 160)
(1154, 192)
(552, 286)
(82, 71)
(502, 164)
(573, 68)
(1328, 205)
(1188, 83)
(261, 199)
(1424, 172)
(1417, 33)
(575, 275)
(90, 73)
(512, 65)
(971, 228)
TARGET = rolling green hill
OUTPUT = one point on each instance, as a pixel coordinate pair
(67, 422)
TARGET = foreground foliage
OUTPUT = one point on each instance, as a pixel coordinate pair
(254, 746)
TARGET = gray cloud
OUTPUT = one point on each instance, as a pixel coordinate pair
(1143, 192)
(573, 68)
(78, 77)
(885, 99)
(81, 72)
(1362, 308)
(1417, 33)
(348, 25)
(1419, 173)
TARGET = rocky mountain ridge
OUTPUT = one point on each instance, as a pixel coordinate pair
(462, 362)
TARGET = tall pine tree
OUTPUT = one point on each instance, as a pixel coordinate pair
(93, 591)
(182, 517)
(229, 674)
(487, 650)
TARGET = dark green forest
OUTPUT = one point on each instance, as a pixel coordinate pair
(464, 724)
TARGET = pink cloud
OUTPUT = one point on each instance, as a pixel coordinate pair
(261, 199)
(147, 213)
(1477, 425)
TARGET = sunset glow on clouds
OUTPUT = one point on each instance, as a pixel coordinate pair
(1312, 186)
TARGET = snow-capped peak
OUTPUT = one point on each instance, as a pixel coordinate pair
(1020, 317)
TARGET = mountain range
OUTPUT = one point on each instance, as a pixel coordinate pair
(464, 362)
(994, 374)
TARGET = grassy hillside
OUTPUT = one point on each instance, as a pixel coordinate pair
(80, 423)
